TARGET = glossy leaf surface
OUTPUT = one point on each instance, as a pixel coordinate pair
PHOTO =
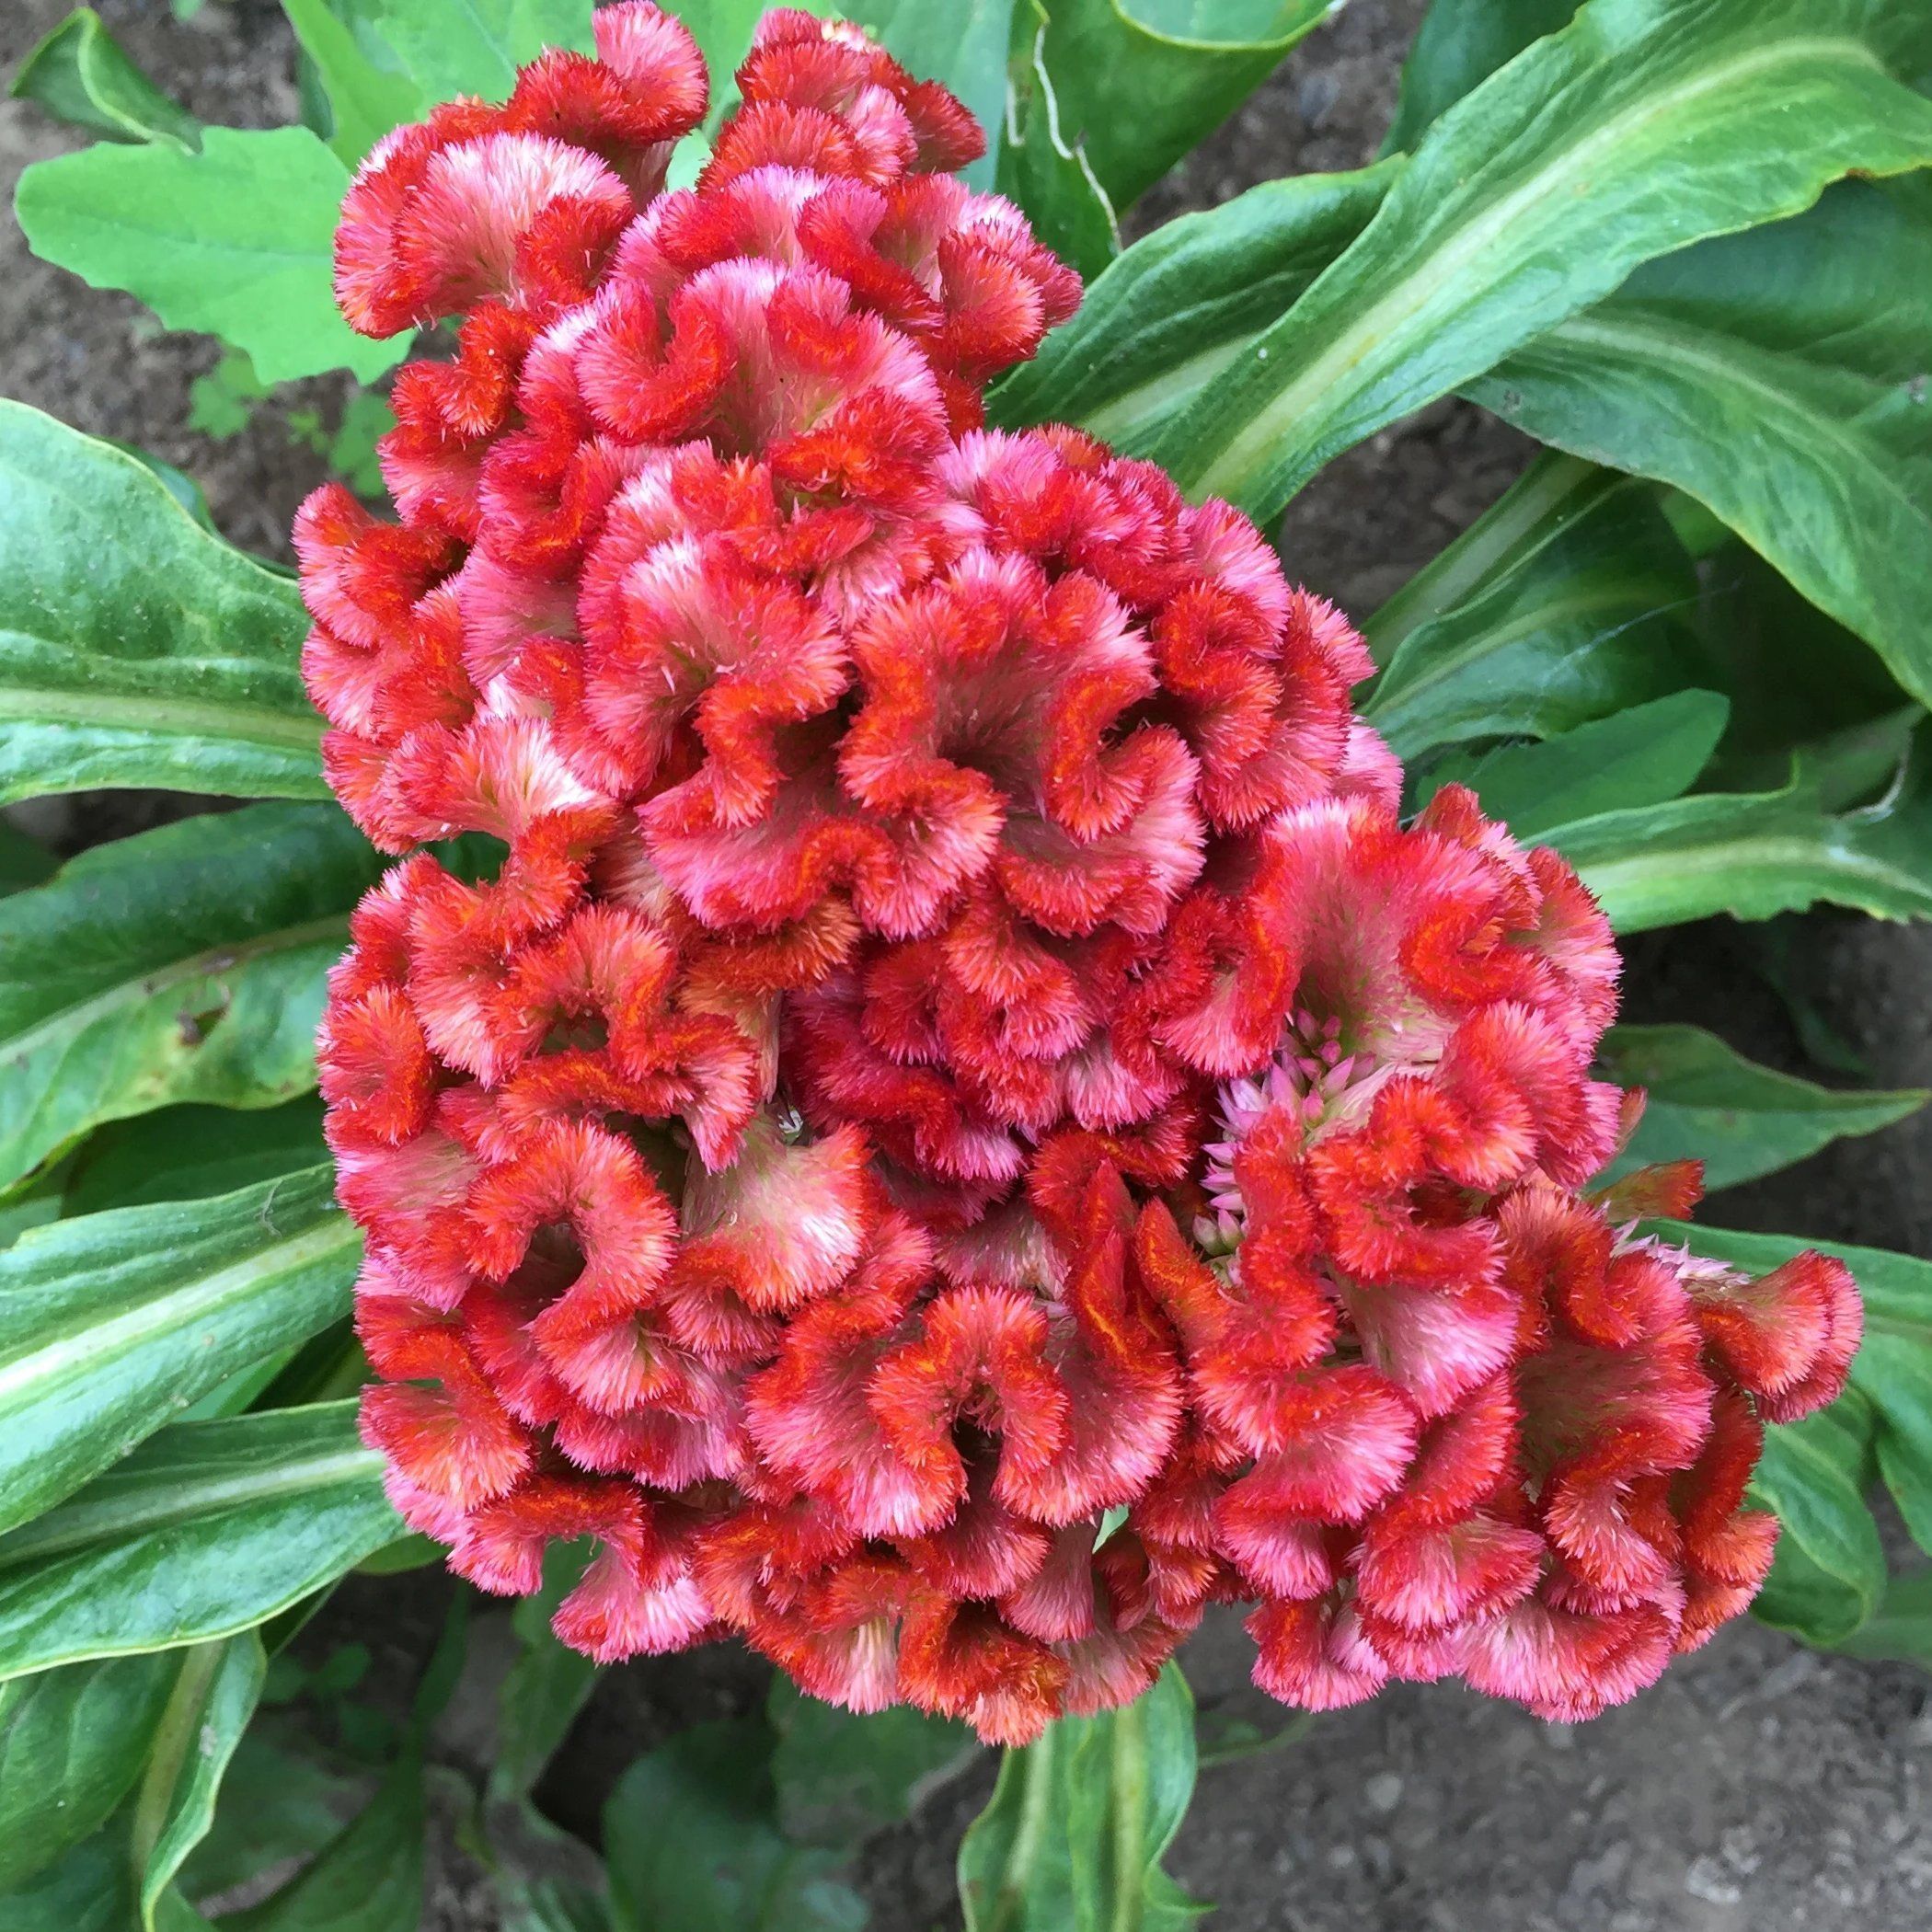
(206, 1530)
(1708, 1102)
(185, 963)
(236, 240)
(137, 647)
(112, 1324)
(1638, 130)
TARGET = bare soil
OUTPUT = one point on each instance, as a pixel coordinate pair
(1761, 1786)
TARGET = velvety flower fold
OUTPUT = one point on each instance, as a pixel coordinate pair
(959, 1125)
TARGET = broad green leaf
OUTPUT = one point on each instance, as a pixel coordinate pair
(1899, 1631)
(222, 403)
(192, 1153)
(282, 1798)
(1830, 1570)
(1141, 81)
(1459, 44)
(367, 1880)
(1043, 167)
(722, 30)
(1163, 320)
(840, 1776)
(693, 1840)
(1073, 1837)
(206, 1530)
(962, 45)
(79, 74)
(1642, 128)
(23, 861)
(364, 100)
(112, 1324)
(1741, 1119)
(1781, 378)
(1567, 602)
(41, 1201)
(1645, 755)
(72, 1745)
(1894, 1367)
(186, 963)
(546, 1686)
(89, 1889)
(215, 1697)
(1754, 854)
(452, 47)
(1792, 675)
(137, 648)
(236, 240)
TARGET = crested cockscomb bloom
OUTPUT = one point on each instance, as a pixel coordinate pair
(1453, 1416)
(933, 867)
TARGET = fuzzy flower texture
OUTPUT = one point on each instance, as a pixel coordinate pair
(959, 1127)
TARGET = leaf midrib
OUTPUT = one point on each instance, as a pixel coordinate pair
(1673, 341)
(1611, 593)
(1469, 242)
(190, 1502)
(85, 1343)
(152, 714)
(211, 962)
(1783, 851)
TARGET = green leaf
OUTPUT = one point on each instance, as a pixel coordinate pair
(1754, 854)
(1793, 676)
(545, 1687)
(365, 101)
(1165, 319)
(89, 1889)
(80, 76)
(111, 1324)
(722, 30)
(1072, 1838)
(352, 450)
(23, 861)
(452, 47)
(184, 490)
(1566, 603)
(222, 403)
(1141, 82)
(1043, 167)
(367, 1880)
(186, 963)
(72, 1744)
(1782, 378)
(206, 1530)
(282, 1800)
(840, 1776)
(1742, 1120)
(693, 1840)
(137, 647)
(1899, 1631)
(236, 240)
(1645, 755)
(192, 1153)
(214, 1696)
(1638, 130)
(1459, 44)
(1830, 1570)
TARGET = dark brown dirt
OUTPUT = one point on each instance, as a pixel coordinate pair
(1761, 1786)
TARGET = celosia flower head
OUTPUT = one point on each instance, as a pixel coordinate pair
(929, 857)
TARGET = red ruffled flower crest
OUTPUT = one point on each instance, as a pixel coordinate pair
(771, 1160)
